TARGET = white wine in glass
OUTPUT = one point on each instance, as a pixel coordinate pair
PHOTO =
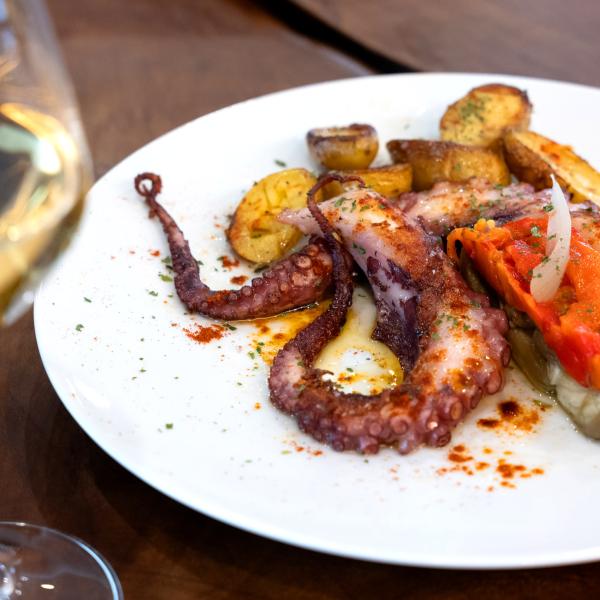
(45, 171)
(44, 161)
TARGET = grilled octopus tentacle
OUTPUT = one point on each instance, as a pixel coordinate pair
(448, 205)
(299, 279)
(288, 373)
(461, 348)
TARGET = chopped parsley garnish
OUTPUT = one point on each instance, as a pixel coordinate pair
(165, 277)
(473, 108)
(359, 248)
(153, 293)
(167, 260)
(280, 163)
(548, 207)
(229, 326)
(78, 327)
(535, 231)
(168, 425)
(86, 299)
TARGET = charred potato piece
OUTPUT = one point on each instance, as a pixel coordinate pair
(343, 148)
(485, 114)
(389, 181)
(255, 233)
(532, 157)
(446, 161)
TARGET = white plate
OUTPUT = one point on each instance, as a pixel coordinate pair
(238, 464)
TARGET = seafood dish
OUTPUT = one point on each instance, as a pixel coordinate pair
(479, 248)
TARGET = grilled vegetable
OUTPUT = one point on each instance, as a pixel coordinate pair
(532, 157)
(255, 234)
(507, 257)
(446, 161)
(582, 403)
(485, 114)
(343, 148)
(470, 275)
(530, 359)
(389, 181)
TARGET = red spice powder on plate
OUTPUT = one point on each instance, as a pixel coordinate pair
(229, 263)
(204, 334)
(239, 279)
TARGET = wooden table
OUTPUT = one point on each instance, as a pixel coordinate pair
(539, 38)
(140, 68)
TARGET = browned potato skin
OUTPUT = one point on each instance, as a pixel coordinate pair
(343, 148)
(389, 181)
(432, 162)
(255, 233)
(525, 164)
(485, 114)
(532, 158)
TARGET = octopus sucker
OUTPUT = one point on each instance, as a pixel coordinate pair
(300, 279)
(460, 348)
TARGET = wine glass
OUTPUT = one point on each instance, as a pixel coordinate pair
(45, 168)
(45, 171)
(41, 563)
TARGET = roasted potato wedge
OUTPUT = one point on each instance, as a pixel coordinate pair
(446, 161)
(255, 234)
(532, 157)
(343, 148)
(485, 114)
(389, 181)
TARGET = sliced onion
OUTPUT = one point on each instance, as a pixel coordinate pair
(547, 276)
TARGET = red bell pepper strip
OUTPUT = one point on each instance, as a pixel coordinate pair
(570, 322)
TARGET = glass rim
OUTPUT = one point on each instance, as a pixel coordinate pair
(105, 566)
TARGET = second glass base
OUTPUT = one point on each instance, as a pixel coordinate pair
(38, 563)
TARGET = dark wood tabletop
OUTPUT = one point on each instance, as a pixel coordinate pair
(539, 38)
(140, 68)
